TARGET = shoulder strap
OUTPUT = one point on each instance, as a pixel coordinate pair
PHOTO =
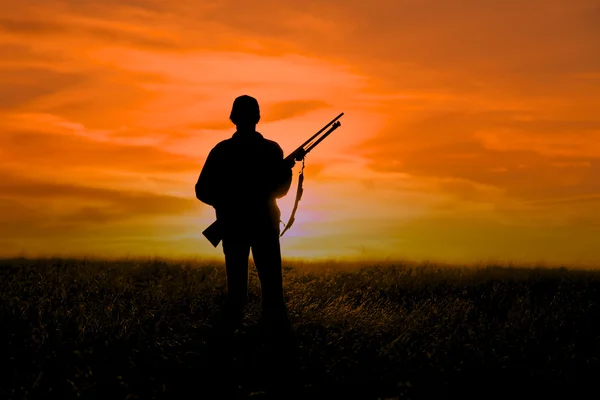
(299, 191)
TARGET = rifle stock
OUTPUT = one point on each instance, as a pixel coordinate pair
(214, 233)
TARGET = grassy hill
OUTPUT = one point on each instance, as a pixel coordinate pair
(149, 329)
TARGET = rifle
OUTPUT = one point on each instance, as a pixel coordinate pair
(214, 232)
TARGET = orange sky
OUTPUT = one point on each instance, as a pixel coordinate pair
(471, 129)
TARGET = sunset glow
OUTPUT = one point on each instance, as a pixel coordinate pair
(471, 130)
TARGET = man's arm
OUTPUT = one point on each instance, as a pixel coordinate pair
(207, 185)
(283, 176)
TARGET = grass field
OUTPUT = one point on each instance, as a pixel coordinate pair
(148, 329)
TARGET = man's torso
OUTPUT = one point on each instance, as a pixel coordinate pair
(245, 166)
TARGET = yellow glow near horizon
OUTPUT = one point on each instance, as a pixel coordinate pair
(471, 131)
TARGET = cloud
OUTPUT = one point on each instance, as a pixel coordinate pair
(36, 208)
(591, 198)
(33, 150)
(122, 205)
(65, 26)
(522, 173)
(31, 27)
(22, 86)
(127, 8)
(522, 153)
(293, 108)
(408, 45)
(130, 201)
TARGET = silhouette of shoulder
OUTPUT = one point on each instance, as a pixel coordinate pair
(257, 142)
(274, 145)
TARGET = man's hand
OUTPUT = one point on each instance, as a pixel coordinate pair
(300, 153)
(289, 163)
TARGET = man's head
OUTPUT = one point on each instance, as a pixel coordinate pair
(245, 111)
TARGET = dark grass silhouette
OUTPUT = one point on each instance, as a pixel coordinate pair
(150, 329)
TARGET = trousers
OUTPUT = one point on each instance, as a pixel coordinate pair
(266, 252)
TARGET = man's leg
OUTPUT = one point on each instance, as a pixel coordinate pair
(267, 258)
(236, 253)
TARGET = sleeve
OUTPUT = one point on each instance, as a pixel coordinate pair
(283, 176)
(208, 181)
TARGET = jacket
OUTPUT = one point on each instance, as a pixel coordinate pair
(242, 178)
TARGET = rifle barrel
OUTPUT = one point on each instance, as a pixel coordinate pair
(322, 129)
(333, 128)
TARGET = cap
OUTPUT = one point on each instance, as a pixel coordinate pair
(245, 110)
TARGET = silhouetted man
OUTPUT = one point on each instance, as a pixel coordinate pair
(242, 178)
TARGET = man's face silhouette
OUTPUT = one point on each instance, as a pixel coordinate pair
(245, 112)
